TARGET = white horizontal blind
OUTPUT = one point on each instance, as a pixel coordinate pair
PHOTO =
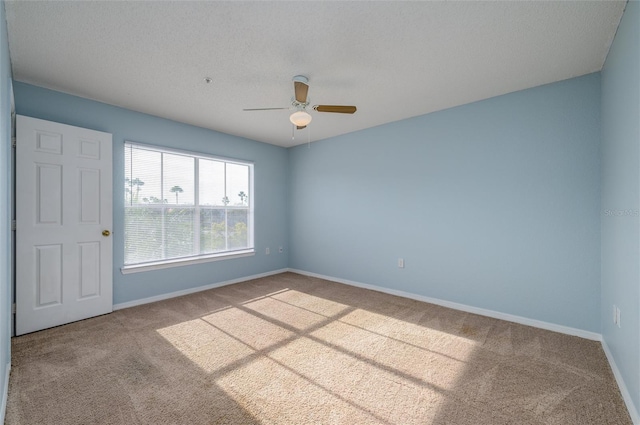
(184, 205)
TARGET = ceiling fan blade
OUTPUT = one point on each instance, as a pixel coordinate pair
(301, 88)
(340, 109)
(263, 109)
(300, 127)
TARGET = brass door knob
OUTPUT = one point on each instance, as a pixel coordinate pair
(106, 233)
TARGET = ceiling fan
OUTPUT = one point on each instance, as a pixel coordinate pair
(301, 118)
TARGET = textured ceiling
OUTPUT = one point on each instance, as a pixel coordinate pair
(393, 60)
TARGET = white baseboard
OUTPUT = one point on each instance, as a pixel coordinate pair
(5, 392)
(161, 297)
(463, 307)
(626, 396)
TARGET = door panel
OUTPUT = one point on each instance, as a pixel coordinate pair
(89, 193)
(63, 204)
(48, 194)
(48, 275)
(89, 269)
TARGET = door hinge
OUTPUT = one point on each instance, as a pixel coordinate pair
(13, 308)
(14, 142)
(14, 225)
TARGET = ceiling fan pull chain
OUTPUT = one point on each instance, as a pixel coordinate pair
(293, 132)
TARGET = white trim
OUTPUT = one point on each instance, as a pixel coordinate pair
(161, 297)
(626, 396)
(463, 307)
(5, 392)
(165, 264)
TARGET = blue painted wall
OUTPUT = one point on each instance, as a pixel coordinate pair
(511, 204)
(494, 204)
(5, 207)
(271, 164)
(621, 198)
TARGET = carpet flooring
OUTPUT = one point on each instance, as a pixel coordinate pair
(290, 349)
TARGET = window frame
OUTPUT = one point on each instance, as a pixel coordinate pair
(200, 258)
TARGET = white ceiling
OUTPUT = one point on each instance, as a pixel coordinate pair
(391, 59)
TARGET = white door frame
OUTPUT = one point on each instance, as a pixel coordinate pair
(12, 265)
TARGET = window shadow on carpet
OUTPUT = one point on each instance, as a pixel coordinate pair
(290, 349)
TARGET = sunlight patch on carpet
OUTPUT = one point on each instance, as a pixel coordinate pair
(247, 328)
(312, 303)
(298, 317)
(203, 344)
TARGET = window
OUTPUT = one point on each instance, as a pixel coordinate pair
(184, 207)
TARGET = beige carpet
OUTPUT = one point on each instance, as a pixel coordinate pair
(290, 349)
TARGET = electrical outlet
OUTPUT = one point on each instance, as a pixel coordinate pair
(267, 251)
(401, 263)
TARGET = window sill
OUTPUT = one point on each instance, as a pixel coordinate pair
(165, 264)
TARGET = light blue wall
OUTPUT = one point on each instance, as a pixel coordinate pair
(621, 198)
(494, 204)
(5, 208)
(270, 185)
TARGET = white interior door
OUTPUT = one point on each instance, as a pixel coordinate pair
(63, 224)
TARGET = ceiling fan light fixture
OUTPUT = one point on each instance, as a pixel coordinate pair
(300, 118)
